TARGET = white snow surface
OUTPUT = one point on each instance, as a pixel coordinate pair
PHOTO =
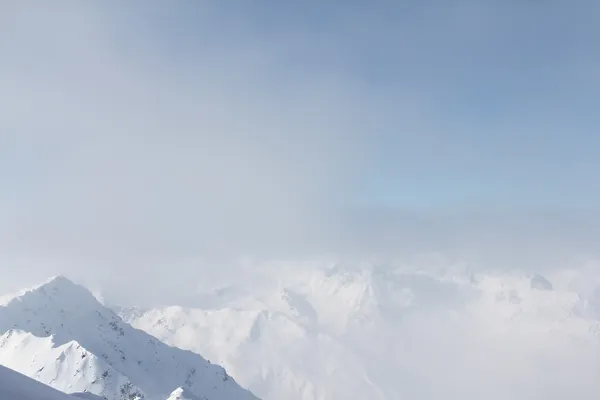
(16, 386)
(182, 394)
(60, 335)
(334, 332)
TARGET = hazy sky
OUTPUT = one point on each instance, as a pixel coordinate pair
(150, 135)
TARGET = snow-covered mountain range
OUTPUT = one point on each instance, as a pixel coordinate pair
(317, 332)
(60, 335)
(332, 332)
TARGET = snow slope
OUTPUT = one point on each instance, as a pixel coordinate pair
(331, 332)
(59, 334)
(15, 386)
(182, 394)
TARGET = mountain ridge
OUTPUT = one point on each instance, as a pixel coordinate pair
(60, 319)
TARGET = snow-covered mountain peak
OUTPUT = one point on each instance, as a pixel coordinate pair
(76, 344)
(57, 290)
(58, 281)
(60, 308)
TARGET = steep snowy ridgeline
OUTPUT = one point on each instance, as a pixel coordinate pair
(15, 386)
(59, 334)
(377, 333)
(69, 367)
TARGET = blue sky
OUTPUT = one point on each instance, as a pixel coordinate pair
(465, 103)
(471, 103)
(147, 131)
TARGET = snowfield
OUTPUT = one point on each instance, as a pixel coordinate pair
(60, 335)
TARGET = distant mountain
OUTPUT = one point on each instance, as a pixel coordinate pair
(59, 334)
(284, 344)
(332, 332)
